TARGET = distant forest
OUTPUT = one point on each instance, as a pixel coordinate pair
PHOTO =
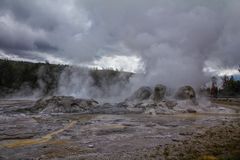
(17, 75)
(230, 87)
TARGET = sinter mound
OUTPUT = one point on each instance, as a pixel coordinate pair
(159, 92)
(63, 104)
(186, 93)
(143, 93)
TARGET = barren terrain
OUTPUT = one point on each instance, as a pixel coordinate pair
(122, 136)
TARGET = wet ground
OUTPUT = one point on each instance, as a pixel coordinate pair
(127, 136)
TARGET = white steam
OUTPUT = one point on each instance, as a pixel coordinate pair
(172, 41)
(173, 38)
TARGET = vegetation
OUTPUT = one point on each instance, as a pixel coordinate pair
(230, 87)
(15, 75)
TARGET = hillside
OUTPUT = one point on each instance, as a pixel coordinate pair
(25, 76)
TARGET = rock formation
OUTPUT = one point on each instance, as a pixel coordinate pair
(158, 93)
(141, 94)
(186, 93)
(63, 104)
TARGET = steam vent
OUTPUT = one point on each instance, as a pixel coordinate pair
(119, 80)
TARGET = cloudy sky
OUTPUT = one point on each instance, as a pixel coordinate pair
(181, 37)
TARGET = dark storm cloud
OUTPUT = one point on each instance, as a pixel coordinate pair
(177, 36)
(29, 12)
(48, 26)
(15, 31)
(44, 46)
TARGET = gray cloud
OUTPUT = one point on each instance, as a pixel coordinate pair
(174, 38)
(48, 26)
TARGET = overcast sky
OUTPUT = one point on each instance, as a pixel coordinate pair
(162, 36)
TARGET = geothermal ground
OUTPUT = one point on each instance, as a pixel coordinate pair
(25, 134)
